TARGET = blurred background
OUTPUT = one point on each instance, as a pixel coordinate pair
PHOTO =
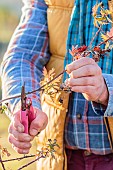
(10, 12)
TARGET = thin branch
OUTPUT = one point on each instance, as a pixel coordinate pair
(13, 97)
(105, 41)
(17, 159)
(2, 163)
(26, 165)
(39, 89)
(95, 36)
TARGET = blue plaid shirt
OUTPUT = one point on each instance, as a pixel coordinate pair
(85, 126)
(28, 52)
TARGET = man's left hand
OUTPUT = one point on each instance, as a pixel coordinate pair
(86, 77)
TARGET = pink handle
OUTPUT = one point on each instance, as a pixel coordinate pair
(27, 116)
(31, 115)
(24, 120)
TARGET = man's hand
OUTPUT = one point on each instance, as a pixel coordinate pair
(21, 141)
(86, 77)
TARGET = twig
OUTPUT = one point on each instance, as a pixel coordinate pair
(95, 36)
(105, 41)
(26, 165)
(13, 97)
(17, 159)
(2, 163)
(39, 89)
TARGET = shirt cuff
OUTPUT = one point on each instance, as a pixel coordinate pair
(101, 109)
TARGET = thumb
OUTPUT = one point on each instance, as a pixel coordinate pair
(39, 123)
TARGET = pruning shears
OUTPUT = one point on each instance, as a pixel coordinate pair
(27, 114)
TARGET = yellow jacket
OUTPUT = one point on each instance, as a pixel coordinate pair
(58, 15)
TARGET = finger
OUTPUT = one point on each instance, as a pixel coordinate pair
(18, 144)
(79, 63)
(84, 89)
(39, 123)
(20, 151)
(10, 128)
(16, 122)
(89, 70)
(22, 137)
(84, 81)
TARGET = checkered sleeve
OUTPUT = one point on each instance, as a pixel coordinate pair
(27, 54)
(98, 108)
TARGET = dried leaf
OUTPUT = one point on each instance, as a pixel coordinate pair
(110, 33)
(107, 45)
(108, 19)
(76, 51)
(4, 151)
(95, 23)
(44, 71)
(100, 19)
(104, 37)
(105, 12)
(53, 87)
(101, 16)
(95, 8)
(51, 73)
(110, 47)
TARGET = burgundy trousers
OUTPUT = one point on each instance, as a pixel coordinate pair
(83, 160)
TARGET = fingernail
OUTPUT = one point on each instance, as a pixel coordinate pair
(34, 132)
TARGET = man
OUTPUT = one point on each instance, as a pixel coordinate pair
(86, 139)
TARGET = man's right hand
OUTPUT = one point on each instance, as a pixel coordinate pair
(21, 142)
